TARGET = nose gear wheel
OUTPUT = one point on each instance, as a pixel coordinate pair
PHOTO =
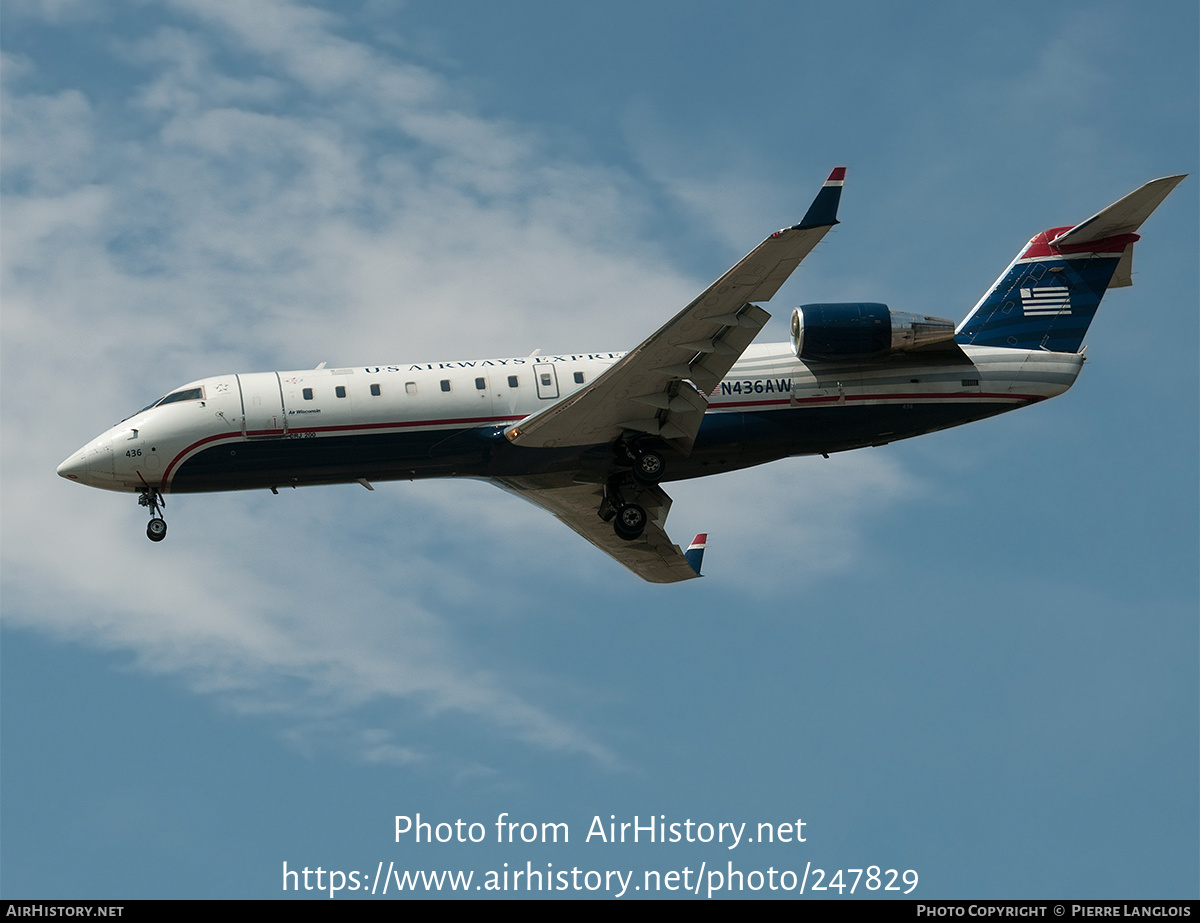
(156, 529)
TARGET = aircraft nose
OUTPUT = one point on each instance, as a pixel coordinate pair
(93, 464)
(74, 468)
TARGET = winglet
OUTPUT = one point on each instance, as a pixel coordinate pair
(823, 211)
(695, 552)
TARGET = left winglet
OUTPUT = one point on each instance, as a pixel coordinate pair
(823, 211)
(695, 552)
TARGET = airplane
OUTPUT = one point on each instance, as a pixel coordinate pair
(591, 437)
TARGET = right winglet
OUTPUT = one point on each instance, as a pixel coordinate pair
(695, 552)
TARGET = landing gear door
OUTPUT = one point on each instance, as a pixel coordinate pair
(546, 377)
(262, 406)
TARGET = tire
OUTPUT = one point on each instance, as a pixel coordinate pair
(649, 467)
(156, 530)
(630, 522)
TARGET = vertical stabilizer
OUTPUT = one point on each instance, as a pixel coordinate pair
(1047, 297)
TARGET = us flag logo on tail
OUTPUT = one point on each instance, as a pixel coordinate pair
(1045, 300)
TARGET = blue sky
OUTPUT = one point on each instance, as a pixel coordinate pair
(973, 654)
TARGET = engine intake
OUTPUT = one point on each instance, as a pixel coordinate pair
(862, 331)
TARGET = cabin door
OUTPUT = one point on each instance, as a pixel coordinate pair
(262, 406)
(546, 377)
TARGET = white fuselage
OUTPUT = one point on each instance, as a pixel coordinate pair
(409, 420)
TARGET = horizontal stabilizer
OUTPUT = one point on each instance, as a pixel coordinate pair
(1123, 217)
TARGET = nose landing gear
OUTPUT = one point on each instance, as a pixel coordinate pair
(156, 529)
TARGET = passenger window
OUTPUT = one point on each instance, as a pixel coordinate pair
(340, 390)
(307, 392)
(374, 390)
(545, 379)
(445, 384)
(579, 378)
(410, 387)
(512, 381)
(480, 383)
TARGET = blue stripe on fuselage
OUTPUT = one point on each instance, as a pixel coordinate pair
(726, 441)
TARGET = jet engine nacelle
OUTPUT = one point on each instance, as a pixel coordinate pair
(862, 331)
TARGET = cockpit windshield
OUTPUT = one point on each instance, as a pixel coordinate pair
(187, 394)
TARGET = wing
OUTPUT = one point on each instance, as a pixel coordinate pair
(653, 557)
(660, 387)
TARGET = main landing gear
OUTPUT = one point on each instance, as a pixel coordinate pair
(628, 519)
(630, 522)
(156, 529)
(648, 465)
(640, 466)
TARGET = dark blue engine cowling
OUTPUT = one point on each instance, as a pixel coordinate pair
(862, 330)
(841, 331)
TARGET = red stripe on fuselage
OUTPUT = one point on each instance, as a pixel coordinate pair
(194, 445)
(918, 396)
(468, 421)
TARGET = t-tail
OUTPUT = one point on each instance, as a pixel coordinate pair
(1049, 294)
